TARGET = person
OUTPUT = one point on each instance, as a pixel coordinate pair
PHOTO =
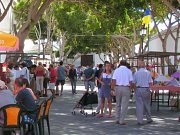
(61, 76)
(25, 71)
(46, 80)
(105, 92)
(24, 97)
(10, 75)
(52, 77)
(33, 78)
(79, 73)
(6, 98)
(89, 78)
(73, 78)
(27, 86)
(16, 71)
(122, 81)
(98, 76)
(143, 81)
(40, 73)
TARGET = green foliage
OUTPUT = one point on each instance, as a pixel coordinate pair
(90, 24)
(21, 10)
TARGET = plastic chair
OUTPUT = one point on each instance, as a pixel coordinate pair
(12, 117)
(37, 123)
(46, 113)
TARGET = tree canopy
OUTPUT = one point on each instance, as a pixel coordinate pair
(108, 26)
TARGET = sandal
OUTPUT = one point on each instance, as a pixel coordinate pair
(100, 116)
(110, 116)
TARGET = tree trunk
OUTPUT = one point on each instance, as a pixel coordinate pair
(101, 57)
(171, 7)
(176, 44)
(62, 43)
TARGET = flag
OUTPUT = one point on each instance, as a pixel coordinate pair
(147, 18)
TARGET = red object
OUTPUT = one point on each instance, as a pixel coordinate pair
(3, 71)
(4, 68)
(53, 75)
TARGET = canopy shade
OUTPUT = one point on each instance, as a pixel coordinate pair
(162, 78)
(8, 42)
(176, 75)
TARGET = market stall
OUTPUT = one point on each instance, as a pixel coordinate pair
(8, 43)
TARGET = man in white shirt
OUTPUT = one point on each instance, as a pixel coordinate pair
(25, 71)
(17, 72)
(122, 81)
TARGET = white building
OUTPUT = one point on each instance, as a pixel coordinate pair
(155, 44)
(6, 25)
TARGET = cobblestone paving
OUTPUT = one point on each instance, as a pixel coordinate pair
(64, 123)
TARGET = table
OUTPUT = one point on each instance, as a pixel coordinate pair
(171, 90)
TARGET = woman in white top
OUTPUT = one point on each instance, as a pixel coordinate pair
(10, 77)
(105, 92)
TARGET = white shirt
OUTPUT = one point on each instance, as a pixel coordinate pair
(25, 73)
(123, 76)
(17, 73)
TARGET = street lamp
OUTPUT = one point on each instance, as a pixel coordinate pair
(43, 47)
(143, 32)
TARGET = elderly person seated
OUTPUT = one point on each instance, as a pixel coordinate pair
(6, 98)
(24, 97)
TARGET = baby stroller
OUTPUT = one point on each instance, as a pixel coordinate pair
(86, 102)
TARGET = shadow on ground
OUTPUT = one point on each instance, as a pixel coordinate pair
(64, 123)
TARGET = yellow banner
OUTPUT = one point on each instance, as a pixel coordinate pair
(7, 40)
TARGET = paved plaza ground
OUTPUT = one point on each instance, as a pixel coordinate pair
(64, 123)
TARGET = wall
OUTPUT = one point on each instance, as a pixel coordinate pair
(7, 23)
(155, 44)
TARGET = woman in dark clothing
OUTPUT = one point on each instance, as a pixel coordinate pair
(73, 78)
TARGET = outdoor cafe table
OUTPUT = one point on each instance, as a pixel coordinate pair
(171, 90)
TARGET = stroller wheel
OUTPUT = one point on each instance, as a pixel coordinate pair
(73, 113)
(82, 112)
(94, 113)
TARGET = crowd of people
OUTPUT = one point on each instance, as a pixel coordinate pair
(24, 85)
(118, 82)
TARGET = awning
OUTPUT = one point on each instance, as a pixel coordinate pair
(8, 42)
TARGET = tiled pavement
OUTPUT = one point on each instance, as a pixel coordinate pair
(64, 123)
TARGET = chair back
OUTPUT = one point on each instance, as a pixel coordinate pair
(40, 110)
(12, 115)
(48, 106)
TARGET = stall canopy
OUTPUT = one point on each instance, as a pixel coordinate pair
(8, 42)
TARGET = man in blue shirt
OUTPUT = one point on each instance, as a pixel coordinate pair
(61, 76)
(142, 81)
(89, 78)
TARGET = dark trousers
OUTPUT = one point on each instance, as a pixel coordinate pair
(73, 84)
